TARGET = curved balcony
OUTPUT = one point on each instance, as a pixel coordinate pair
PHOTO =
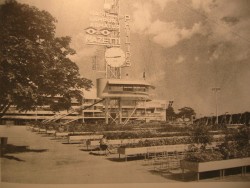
(118, 88)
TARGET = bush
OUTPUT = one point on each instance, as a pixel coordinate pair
(236, 144)
(204, 156)
(200, 135)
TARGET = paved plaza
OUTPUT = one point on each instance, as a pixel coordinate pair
(34, 158)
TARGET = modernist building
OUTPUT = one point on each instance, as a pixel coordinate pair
(93, 108)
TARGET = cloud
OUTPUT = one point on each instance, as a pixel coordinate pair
(216, 51)
(163, 3)
(82, 50)
(165, 33)
(168, 34)
(228, 28)
(156, 78)
(196, 58)
(142, 17)
(204, 5)
(180, 59)
(231, 20)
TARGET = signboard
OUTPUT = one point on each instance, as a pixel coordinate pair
(104, 29)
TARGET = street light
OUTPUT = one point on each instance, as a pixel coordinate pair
(215, 90)
(211, 118)
(225, 117)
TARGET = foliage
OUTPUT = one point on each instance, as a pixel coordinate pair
(97, 128)
(201, 136)
(170, 114)
(172, 128)
(186, 112)
(159, 142)
(34, 63)
(236, 143)
(242, 137)
(204, 156)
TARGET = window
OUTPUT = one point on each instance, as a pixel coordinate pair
(127, 88)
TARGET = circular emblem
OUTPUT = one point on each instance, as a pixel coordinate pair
(115, 57)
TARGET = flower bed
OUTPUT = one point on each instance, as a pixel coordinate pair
(140, 134)
(165, 141)
(233, 152)
(132, 143)
(153, 149)
(221, 165)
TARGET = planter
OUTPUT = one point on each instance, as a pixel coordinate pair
(51, 132)
(221, 165)
(61, 134)
(120, 142)
(153, 149)
(42, 130)
(35, 129)
(82, 138)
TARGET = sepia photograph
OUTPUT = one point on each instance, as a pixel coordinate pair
(125, 93)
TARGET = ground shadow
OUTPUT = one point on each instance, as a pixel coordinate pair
(20, 149)
(189, 176)
(47, 135)
(61, 140)
(90, 149)
(123, 159)
(12, 158)
(116, 159)
(176, 176)
(71, 143)
(97, 154)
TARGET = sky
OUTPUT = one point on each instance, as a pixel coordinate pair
(185, 47)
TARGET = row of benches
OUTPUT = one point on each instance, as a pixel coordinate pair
(78, 138)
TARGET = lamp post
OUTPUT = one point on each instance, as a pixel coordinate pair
(212, 115)
(225, 117)
(215, 90)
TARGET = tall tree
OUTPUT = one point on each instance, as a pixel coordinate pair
(170, 114)
(186, 112)
(34, 63)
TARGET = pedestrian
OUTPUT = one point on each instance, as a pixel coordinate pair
(104, 145)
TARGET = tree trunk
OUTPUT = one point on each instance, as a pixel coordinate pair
(4, 109)
(2, 106)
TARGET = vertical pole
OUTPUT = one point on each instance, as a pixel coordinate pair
(120, 111)
(106, 110)
(106, 67)
(36, 114)
(216, 111)
(83, 119)
(215, 90)
(120, 73)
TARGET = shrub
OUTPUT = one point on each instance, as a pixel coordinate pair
(200, 135)
(204, 156)
(236, 144)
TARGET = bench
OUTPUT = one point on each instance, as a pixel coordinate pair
(35, 129)
(82, 138)
(61, 134)
(51, 132)
(42, 130)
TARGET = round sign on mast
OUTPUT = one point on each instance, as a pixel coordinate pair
(115, 57)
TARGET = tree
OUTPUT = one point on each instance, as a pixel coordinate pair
(170, 114)
(186, 112)
(34, 63)
(200, 135)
